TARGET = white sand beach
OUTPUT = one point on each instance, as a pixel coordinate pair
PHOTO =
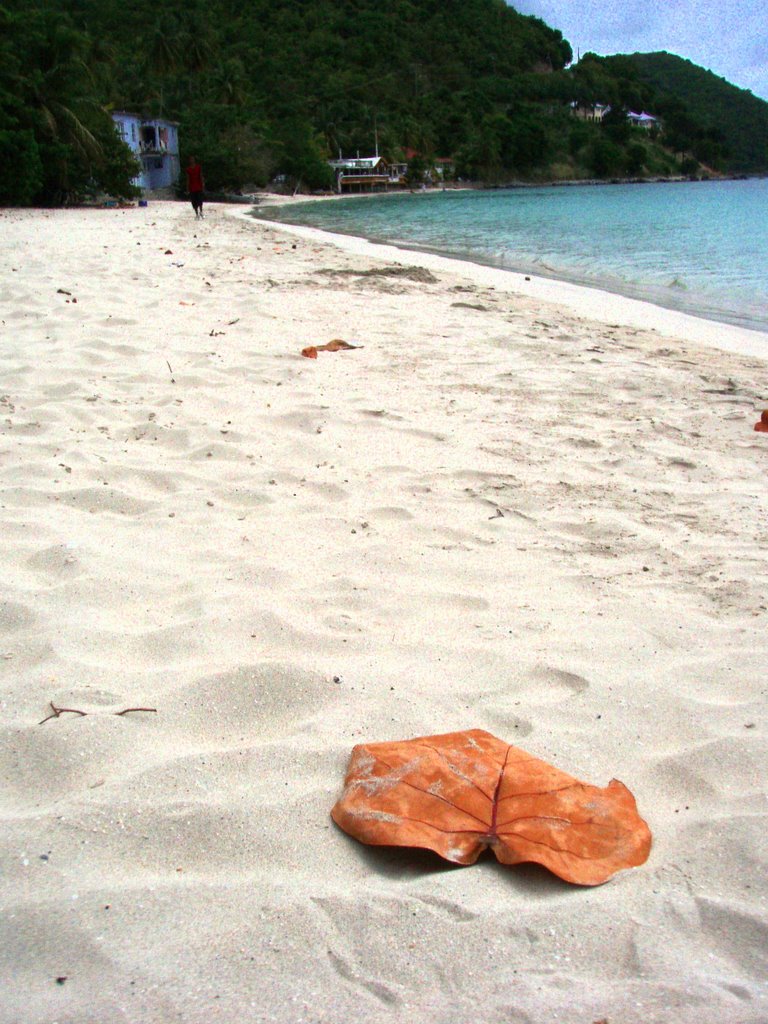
(519, 506)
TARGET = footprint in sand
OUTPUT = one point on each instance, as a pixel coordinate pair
(15, 617)
(546, 685)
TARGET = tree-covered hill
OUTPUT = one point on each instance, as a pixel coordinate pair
(698, 101)
(283, 83)
(279, 86)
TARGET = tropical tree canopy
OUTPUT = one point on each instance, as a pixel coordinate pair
(279, 86)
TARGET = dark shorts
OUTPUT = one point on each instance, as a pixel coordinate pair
(196, 198)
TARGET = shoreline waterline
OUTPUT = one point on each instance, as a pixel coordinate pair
(588, 301)
(686, 246)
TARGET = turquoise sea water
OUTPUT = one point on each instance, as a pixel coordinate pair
(700, 247)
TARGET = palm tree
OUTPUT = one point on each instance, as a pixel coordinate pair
(164, 53)
(199, 44)
(229, 83)
(61, 100)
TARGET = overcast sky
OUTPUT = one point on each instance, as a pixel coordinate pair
(729, 37)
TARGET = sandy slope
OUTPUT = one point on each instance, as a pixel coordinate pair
(285, 557)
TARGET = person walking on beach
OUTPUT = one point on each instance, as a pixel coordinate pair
(195, 185)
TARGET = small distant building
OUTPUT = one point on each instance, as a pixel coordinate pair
(154, 142)
(437, 168)
(594, 112)
(398, 173)
(361, 173)
(643, 120)
(444, 167)
(374, 173)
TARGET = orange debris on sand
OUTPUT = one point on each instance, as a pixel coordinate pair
(762, 424)
(461, 793)
(337, 345)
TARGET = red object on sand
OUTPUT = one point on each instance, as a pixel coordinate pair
(762, 425)
(337, 345)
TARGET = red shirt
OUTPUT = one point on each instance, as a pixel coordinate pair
(195, 178)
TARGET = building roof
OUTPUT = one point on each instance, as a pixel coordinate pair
(357, 163)
(144, 120)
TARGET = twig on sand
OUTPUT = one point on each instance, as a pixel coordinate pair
(57, 711)
(173, 379)
(60, 711)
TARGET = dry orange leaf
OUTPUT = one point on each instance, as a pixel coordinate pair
(337, 345)
(463, 792)
(762, 424)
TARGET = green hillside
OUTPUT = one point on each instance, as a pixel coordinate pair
(279, 86)
(697, 102)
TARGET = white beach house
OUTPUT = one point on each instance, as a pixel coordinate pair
(154, 141)
(642, 120)
(590, 111)
(360, 173)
